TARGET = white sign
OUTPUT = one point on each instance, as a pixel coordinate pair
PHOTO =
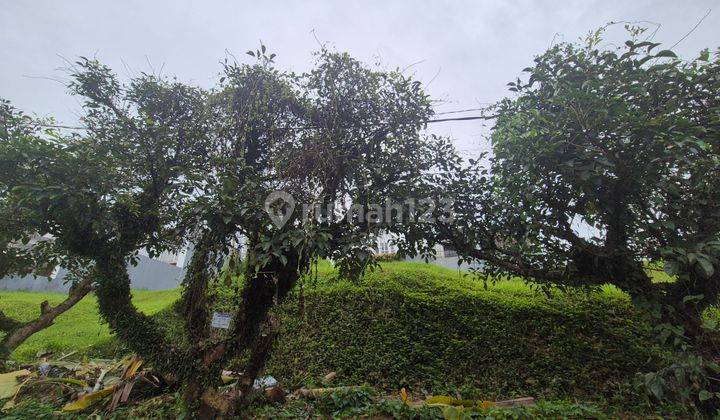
(221, 320)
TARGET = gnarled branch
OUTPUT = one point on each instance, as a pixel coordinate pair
(17, 331)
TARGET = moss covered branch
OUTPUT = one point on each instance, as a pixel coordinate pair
(136, 330)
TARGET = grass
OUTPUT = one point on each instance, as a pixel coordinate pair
(77, 329)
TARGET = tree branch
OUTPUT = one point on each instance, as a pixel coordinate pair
(19, 332)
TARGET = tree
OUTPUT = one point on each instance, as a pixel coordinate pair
(161, 164)
(106, 194)
(605, 163)
(19, 137)
(339, 135)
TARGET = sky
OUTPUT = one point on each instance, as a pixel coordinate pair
(464, 52)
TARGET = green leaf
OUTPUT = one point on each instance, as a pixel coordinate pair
(644, 60)
(693, 298)
(666, 53)
(710, 324)
(704, 395)
(655, 384)
(643, 44)
(706, 267)
(704, 55)
(453, 413)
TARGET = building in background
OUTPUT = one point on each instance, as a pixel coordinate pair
(167, 270)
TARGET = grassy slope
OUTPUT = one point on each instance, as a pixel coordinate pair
(77, 329)
(421, 326)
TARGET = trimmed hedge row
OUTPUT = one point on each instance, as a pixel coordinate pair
(433, 331)
(426, 329)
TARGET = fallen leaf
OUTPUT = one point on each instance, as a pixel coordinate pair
(87, 400)
(132, 368)
(404, 395)
(9, 384)
(486, 404)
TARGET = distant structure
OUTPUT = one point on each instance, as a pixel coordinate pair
(167, 270)
(162, 273)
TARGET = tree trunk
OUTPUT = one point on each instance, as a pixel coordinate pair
(134, 329)
(201, 379)
(261, 292)
(194, 302)
(18, 332)
(257, 299)
(701, 293)
(260, 352)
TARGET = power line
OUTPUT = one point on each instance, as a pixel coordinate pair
(481, 117)
(460, 111)
(691, 30)
(312, 127)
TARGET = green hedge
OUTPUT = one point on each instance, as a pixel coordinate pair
(433, 331)
(429, 330)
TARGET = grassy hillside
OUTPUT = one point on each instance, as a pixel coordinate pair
(419, 326)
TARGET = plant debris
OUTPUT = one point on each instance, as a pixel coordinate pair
(71, 381)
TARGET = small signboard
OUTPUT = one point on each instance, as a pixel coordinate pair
(221, 320)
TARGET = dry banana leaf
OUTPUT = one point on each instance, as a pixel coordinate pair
(9, 382)
(87, 400)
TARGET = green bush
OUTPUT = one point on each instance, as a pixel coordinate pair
(345, 402)
(427, 329)
(433, 331)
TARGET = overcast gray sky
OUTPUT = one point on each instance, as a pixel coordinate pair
(466, 51)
